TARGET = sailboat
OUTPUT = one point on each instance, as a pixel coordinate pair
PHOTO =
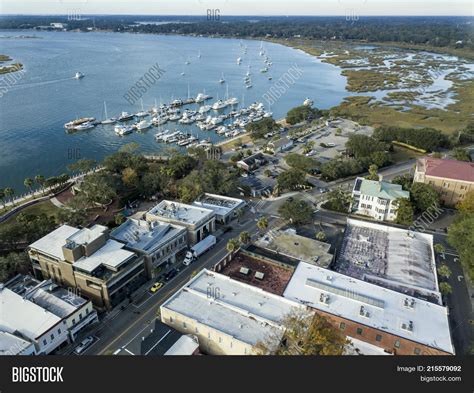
(142, 113)
(199, 54)
(222, 80)
(248, 71)
(112, 120)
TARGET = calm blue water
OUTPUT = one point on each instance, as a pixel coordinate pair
(32, 114)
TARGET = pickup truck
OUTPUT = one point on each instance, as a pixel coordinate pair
(199, 249)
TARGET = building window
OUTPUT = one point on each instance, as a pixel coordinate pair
(378, 338)
(184, 325)
(342, 326)
(45, 342)
(196, 330)
(171, 319)
(231, 344)
(52, 337)
(220, 340)
(397, 344)
(359, 331)
(73, 321)
(208, 334)
(417, 351)
(59, 331)
(80, 316)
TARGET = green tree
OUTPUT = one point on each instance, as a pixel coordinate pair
(82, 165)
(232, 245)
(304, 334)
(321, 236)
(338, 200)
(39, 179)
(301, 113)
(12, 264)
(9, 193)
(262, 223)
(461, 154)
(423, 196)
(362, 146)
(244, 237)
(119, 218)
(373, 172)
(466, 205)
(297, 211)
(291, 179)
(444, 271)
(404, 180)
(405, 212)
(445, 288)
(28, 183)
(439, 248)
(461, 237)
(259, 129)
(267, 172)
(2, 196)
(303, 163)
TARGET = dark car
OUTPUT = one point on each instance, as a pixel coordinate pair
(172, 273)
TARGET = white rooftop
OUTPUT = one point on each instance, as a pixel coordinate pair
(392, 257)
(11, 344)
(145, 236)
(240, 310)
(180, 212)
(111, 255)
(186, 345)
(359, 347)
(221, 205)
(87, 235)
(52, 243)
(29, 319)
(414, 319)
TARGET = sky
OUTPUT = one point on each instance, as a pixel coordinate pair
(241, 7)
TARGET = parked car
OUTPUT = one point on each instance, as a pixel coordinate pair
(156, 286)
(172, 273)
(83, 345)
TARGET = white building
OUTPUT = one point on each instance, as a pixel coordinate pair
(198, 221)
(280, 145)
(30, 322)
(376, 199)
(159, 242)
(228, 317)
(371, 313)
(226, 208)
(11, 345)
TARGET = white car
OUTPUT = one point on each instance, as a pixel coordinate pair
(84, 344)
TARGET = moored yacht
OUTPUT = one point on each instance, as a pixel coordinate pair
(125, 116)
(123, 130)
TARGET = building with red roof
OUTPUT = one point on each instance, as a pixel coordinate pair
(451, 178)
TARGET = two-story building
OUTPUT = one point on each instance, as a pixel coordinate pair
(377, 199)
(198, 221)
(159, 242)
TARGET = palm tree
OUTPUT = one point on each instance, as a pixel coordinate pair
(244, 237)
(9, 192)
(232, 245)
(444, 271)
(262, 224)
(321, 236)
(39, 179)
(445, 288)
(28, 183)
(439, 248)
(2, 196)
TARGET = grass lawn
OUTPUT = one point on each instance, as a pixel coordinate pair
(45, 207)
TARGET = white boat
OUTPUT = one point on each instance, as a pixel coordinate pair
(248, 85)
(143, 125)
(175, 117)
(232, 101)
(84, 126)
(308, 102)
(201, 97)
(123, 130)
(239, 60)
(125, 116)
(160, 120)
(74, 123)
(264, 69)
(222, 80)
(219, 105)
(205, 108)
(142, 113)
(199, 54)
(248, 71)
(187, 62)
(108, 120)
(221, 130)
(79, 75)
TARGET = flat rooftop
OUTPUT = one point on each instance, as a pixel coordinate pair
(87, 235)
(111, 255)
(52, 243)
(295, 246)
(275, 278)
(371, 305)
(221, 205)
(11, 344)
(245, 312)
(180, 212)
(145, 236)
(24, 316)
(391, 257)
(47, 295)
(449, 169)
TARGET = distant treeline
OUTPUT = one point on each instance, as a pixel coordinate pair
(429, 31)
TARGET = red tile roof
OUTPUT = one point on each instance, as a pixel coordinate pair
(449, 169)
